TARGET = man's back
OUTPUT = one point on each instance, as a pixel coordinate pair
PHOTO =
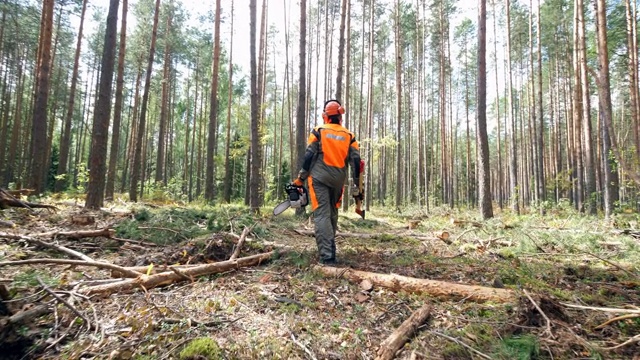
(334, 145)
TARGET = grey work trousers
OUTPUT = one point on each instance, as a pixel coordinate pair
(325, 217)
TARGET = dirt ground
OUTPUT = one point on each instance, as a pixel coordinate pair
(284, 309)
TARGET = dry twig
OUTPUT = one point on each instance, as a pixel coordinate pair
(617, 318)
(238, 247)
(605, 309)
(630, 341)
(65, 303)
(100, 265)
(301, 345)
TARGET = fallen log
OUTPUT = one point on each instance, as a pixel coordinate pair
(435, 288)
(169, 277)
(402, 334)
(28, 315)
(150, 269)
(7, 200)
(106, 232)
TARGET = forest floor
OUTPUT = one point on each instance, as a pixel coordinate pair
(285, 309)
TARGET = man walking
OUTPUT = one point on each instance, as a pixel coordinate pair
(331, 148)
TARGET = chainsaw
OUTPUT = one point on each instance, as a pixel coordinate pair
(298, 197)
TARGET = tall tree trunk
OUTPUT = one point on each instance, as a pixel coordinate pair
(484, 177)
(513, 162)
(532, 118)
(193, 132)
(343, 15)
(136, 169)
(540, 131)
(604, 96)
(12, 164)
(500, 187)
(210, 187)
(632, 56)
(100, 133)
(399, 162)
(65, 141)
(300, 111)
(255, 186)
(589, 163)
(39, 120)
(228, 171)
(369, 175)
(117, 108)
(347, 98)
(131, 148)
(164, 101)
(578, 104)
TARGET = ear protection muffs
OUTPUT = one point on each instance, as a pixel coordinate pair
(331, 108)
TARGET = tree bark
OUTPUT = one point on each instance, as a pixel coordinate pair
(402, 334)
(541, 189)
(577, 112)
(137, 158)
(65, 141)
(483, 141)
(604, 96)
(165, 278)
(97, 264)
(210, 186)
(399, 162)
(164, 101)
(435, 288)
(302, 95)
(227, 170)
(255, 182)
(100, 133)
(513, 163)
(39, 120)
(589, 162)
(117, 107)
(341, 44)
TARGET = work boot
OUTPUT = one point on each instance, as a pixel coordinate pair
(330, 261)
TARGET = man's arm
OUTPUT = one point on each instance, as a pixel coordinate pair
(309, 155)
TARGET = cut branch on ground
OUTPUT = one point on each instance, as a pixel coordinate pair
(403, 333)
(169, 277)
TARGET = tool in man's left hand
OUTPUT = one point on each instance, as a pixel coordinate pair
(358, 191)
(298, 197)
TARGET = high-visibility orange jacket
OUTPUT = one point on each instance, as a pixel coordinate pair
(331, 148)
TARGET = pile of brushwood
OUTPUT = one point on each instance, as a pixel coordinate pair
(141, 281)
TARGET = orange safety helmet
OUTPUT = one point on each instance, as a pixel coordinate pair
(332, 108)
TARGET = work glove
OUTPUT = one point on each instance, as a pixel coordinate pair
(297, 182)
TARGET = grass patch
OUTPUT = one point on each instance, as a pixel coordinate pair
(524, 347)
(201, 347)
(28, 278)
(172, 224)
